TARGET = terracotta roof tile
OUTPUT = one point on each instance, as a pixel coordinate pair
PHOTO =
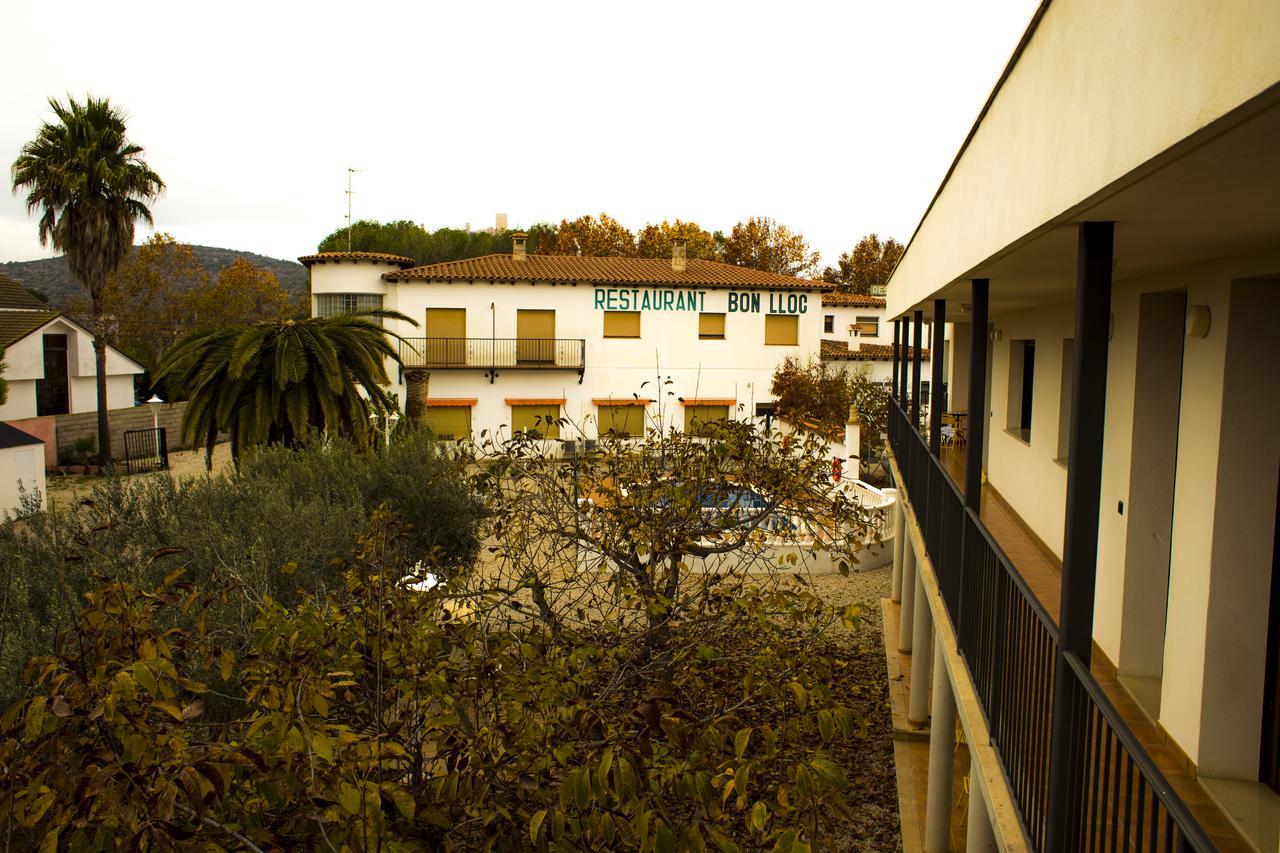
(14, 296)
(573, 269)
(381, 257)
(857, 300)
(16, 325)
(839, 351)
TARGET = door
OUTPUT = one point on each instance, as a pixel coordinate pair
(446, 330)
(52, 397)
(1269, 763)
(536, 332)
(29, 486)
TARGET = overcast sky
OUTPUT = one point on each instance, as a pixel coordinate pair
(835, 118)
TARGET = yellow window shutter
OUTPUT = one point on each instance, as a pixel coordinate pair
(538, 421)
(781, 330)
(696, 418)
(449, 422)
(711, 326)
(622, 324)
(621, 421)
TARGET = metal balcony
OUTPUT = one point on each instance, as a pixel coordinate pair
(494, 354)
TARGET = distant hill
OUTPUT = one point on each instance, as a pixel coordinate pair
(51, 277)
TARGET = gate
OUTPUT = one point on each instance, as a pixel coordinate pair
(145, 450)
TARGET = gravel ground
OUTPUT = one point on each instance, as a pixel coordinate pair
(875, 794)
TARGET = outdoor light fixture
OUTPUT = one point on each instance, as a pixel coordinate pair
(155, 403)
(1198, 319)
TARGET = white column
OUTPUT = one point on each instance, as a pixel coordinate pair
(921, 646)
(907, 610)
(942, 745)
(899, 534)
(979, 836)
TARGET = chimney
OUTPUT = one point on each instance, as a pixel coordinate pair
(517, 245)
(677, 254)
(499, 223)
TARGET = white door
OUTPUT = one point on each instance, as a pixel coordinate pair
(25, 461)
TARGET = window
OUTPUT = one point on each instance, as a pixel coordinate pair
(622, 324)
(867, 327)
(537, 421)
(781, 330)
(711, 327)
(620, 421)
(333, 304)
(1064, 402)
(829, 323)
(696, 418)
(535, 333)
(446, 333)
(449, 422)
(1022, 369)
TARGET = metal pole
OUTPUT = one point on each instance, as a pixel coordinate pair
(916, 337)
(897, 354)
(978, 339)
(937, 348)
(1080, 543)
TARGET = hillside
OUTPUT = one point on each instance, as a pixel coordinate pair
(51, 277)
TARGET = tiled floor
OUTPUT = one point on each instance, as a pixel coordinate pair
(1042, 572)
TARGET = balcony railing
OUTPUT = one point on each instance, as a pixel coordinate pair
(492, 354)
(1118, 799)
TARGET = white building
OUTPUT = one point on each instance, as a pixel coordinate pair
(513, 341)
(49, 361)
(856, 336)
(21, 469)
(1100, 564)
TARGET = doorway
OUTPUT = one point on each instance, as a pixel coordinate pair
(1157, 398)
(535, 333)
(446, 330)
(53, 391)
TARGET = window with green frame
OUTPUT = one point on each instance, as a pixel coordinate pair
(620, 421)
(538, 421)
(696, 418)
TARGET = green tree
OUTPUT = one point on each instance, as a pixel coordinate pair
(274, 382)
(90, 184)
(654, 241)
(867, 267)
(243, 293)
(812, 391)
(430, 247)
(763, 244)
(594, 237)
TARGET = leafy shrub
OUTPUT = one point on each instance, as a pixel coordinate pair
(276, 529)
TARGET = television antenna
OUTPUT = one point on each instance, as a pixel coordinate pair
(350, 192)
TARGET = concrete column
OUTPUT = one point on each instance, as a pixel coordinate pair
(921, 644)
(908, 609)
(942, 745)
(899, 534)
(979, 835)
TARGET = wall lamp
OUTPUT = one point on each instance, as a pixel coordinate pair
(1198, 321)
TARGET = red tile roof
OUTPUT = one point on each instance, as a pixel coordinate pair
(573, 269)
(857, 300)
(839, 351)
(378, 257)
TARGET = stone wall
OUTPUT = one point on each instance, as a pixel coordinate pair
(71, 428)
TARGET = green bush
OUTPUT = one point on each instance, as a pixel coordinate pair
(278, 528)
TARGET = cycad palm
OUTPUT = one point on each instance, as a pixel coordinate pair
(90, 184)
(273, 382)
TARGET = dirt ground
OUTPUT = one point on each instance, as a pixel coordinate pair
(64, 491)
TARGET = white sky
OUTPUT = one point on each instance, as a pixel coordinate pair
(835, 118)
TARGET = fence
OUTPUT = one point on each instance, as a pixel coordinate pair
(489, 353)
(145, 450)
(1117, 799)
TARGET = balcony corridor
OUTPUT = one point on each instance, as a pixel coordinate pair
(1041, 569)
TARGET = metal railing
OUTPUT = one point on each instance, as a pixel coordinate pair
(1118, 798)
(491, 353)
(145, 450)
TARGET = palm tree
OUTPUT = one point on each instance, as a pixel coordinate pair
(90, 184)
(275, 381)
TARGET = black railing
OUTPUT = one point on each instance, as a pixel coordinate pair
(145, 450)
(1118, 799)
(492, 353)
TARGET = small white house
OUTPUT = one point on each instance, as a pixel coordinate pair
(49, 361)
(21, 468)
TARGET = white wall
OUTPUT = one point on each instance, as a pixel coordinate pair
(23, 465)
